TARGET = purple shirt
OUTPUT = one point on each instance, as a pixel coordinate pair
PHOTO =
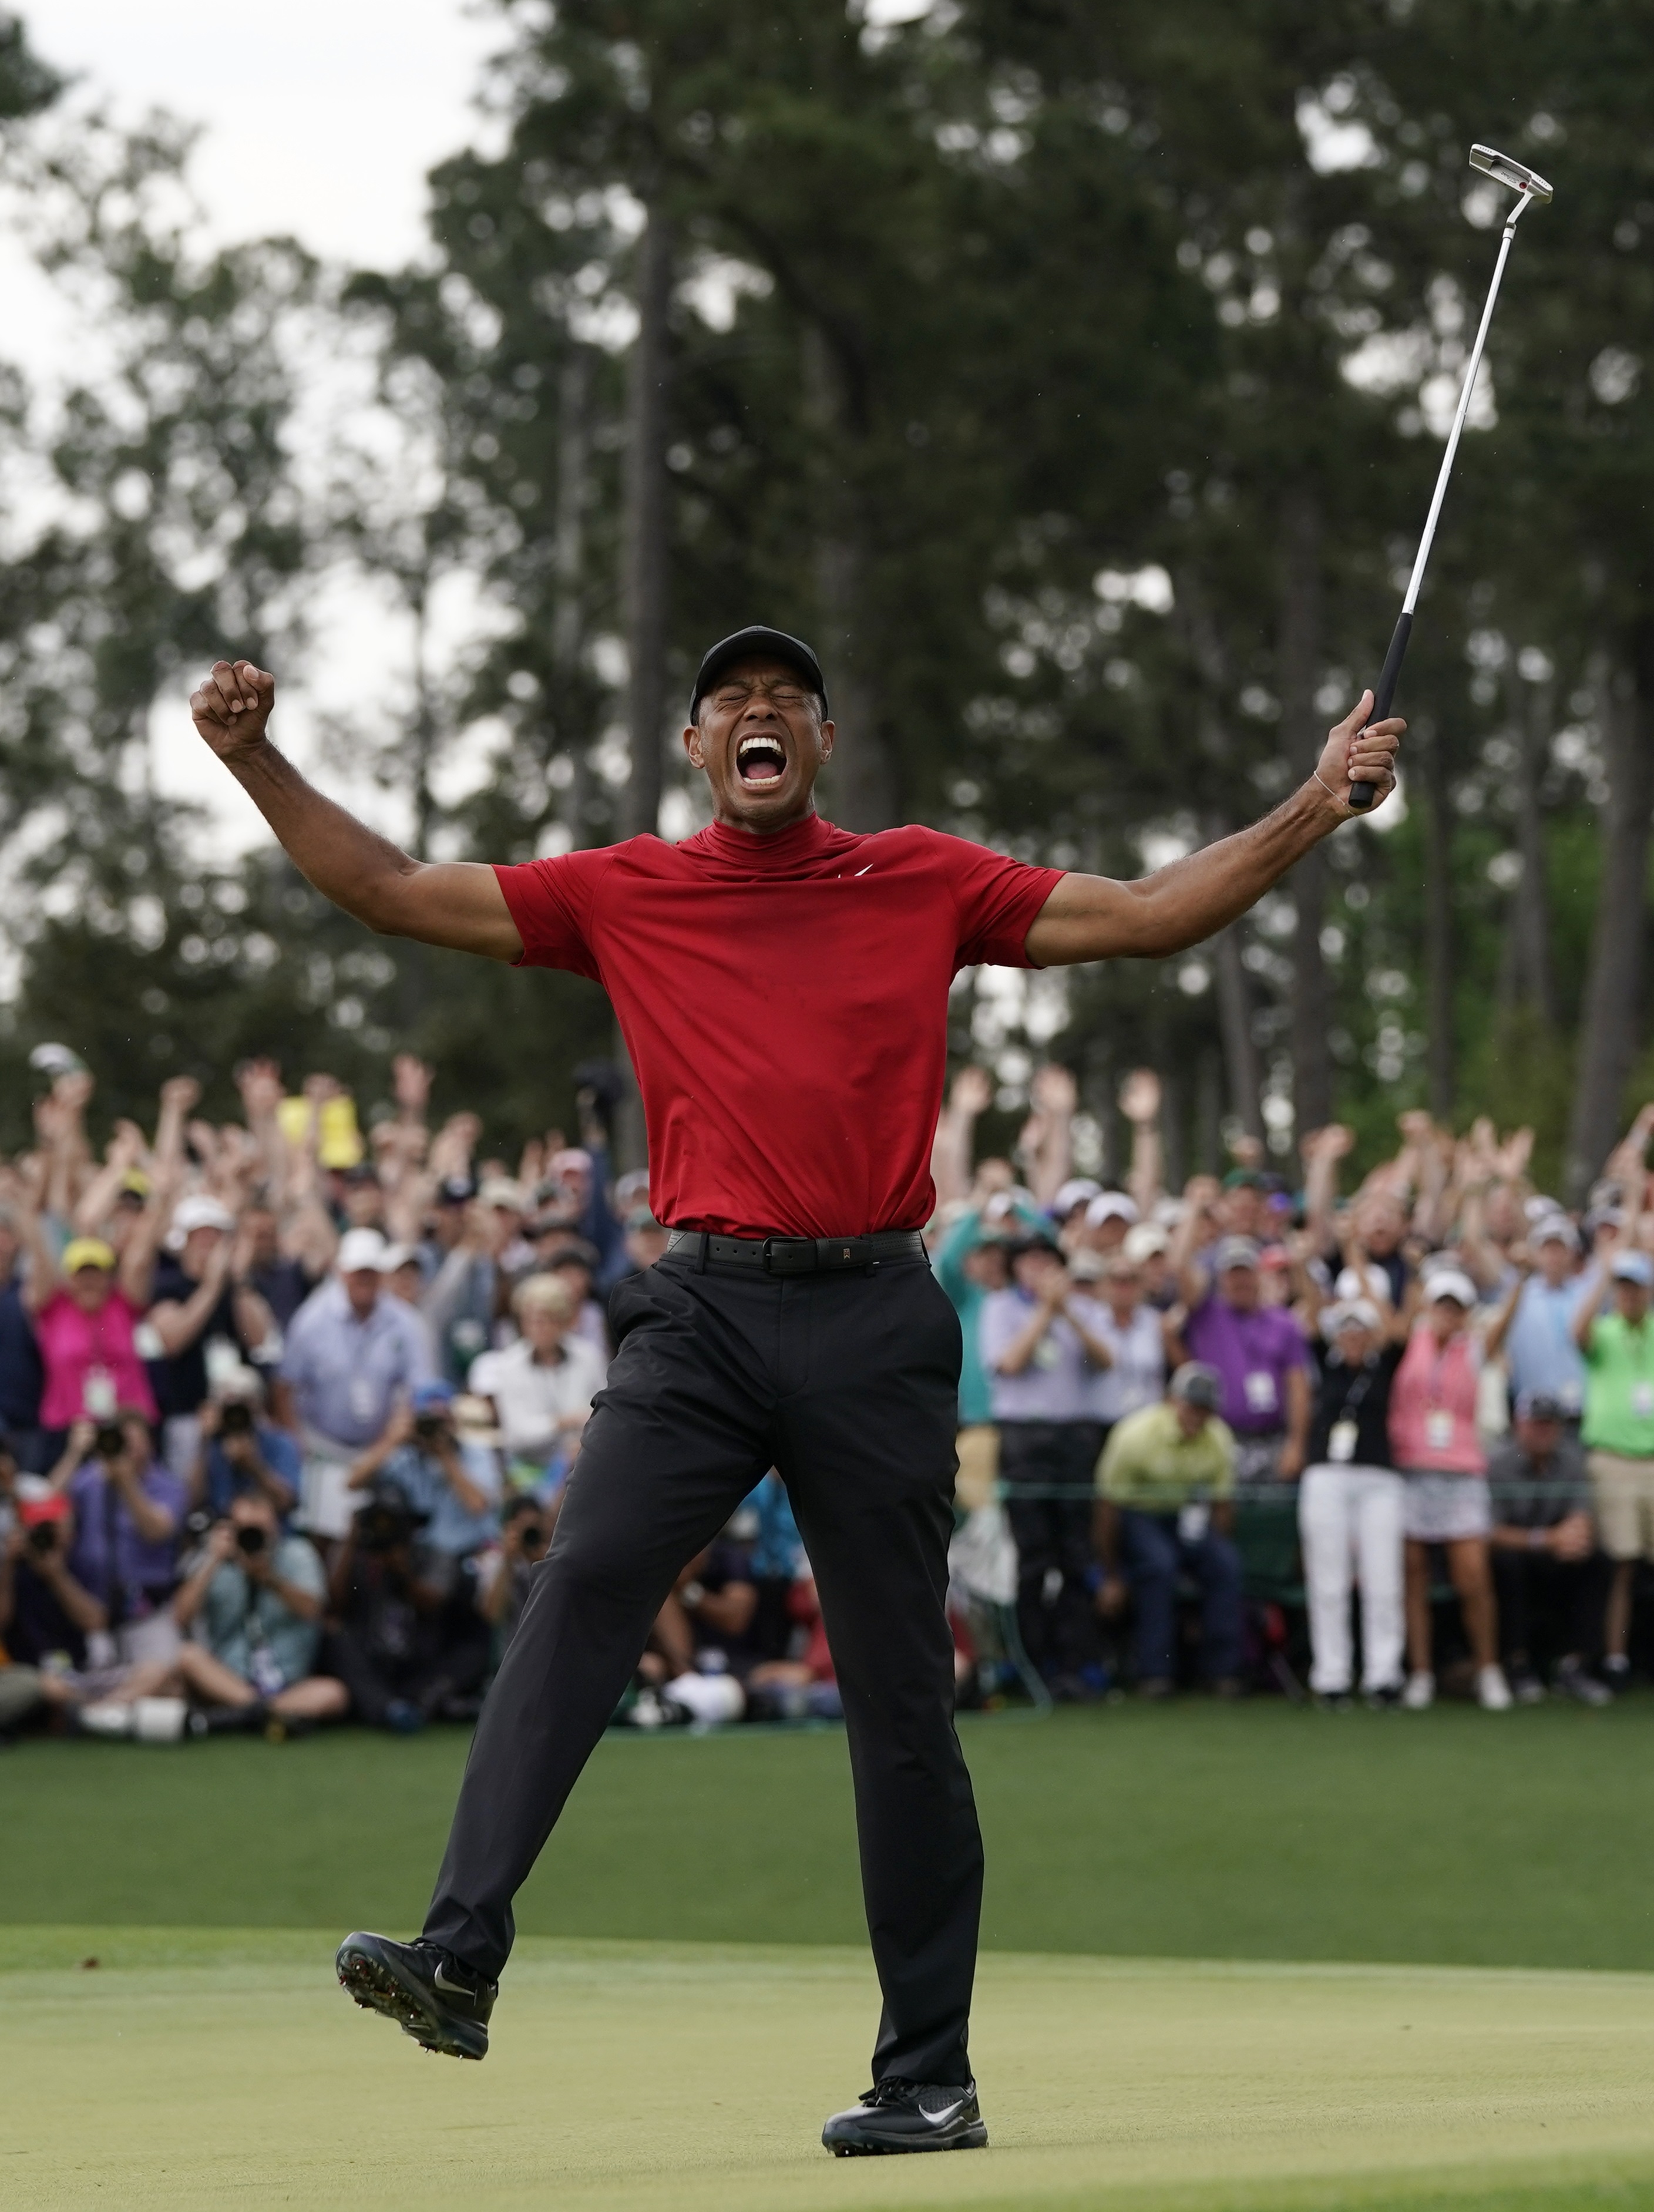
(1254, 1353)
(139, 1565)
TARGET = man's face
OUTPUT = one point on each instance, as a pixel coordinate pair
(1108, 1235)
(545, 1329)
(985, 1266)
(1238, 1288)
(1379, 1226)
(1191, 1419)
(1555, 1263)
(1241, 1211)
(1356, 1345)
(1539, 1439)
(89, 1288)
(362, 1287)
(260, 1226)
(198, 1248)
(247, 1512)
(1036, 1271)
(760, 743)
(1631, 1299)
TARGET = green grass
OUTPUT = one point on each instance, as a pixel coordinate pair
(693, 1990)
(1202, 1831)
(646, 2078)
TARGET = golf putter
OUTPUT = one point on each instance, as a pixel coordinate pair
(1531, 186)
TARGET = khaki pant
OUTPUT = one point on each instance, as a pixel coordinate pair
(1623, 1492)
(978, 1447)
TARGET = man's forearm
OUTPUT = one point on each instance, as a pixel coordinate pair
(348, 863)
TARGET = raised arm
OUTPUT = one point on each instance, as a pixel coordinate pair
(1093, 918)
(457, 904)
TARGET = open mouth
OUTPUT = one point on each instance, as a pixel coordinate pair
(760, 761)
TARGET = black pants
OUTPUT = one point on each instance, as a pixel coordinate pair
(848, 1384)
(1549, 1607)
(1054, 1537)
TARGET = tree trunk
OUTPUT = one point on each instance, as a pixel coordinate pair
(567, 567)
(1608, 1032)
(1240, 1050)
(861, 788)
(1530, 905)
(646, 562)
(1300, 673)
(1437, 815)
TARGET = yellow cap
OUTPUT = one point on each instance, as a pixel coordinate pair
(87, 1252)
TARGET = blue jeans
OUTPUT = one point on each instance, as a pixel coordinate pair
(1155, 1555)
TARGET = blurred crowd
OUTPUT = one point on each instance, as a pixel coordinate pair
(287, 1407)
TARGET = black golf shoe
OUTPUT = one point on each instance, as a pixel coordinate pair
(429, 1994)
(902, 2116)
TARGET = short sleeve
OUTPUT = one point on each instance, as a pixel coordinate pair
(996, 899)
(550, 901)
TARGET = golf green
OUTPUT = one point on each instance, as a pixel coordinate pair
(1451, 1838)
(184, 2071)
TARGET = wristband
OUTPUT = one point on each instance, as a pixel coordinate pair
(691, 1594)
(1539, 1539)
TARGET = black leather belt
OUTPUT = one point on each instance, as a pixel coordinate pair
(795, 1255)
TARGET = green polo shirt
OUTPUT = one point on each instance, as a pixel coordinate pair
(1149, 1464)
(1619, 1387)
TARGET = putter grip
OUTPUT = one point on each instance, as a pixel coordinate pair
(1363, 795)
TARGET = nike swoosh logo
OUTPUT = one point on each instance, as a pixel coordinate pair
(440, 1981)
(949, 2112)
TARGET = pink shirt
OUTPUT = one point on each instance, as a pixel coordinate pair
(74, 1343)
(1432, 1405)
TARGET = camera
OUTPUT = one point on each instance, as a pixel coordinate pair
(235, 1419)
(110, 1442)
(386, 1522)
(428, 1426)
(252, 1540)
(533, 1536)
(43, 1538)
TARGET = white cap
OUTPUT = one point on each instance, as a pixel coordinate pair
(501, 1191)
(1553, 1229)
(361, 1251)
(1110, 1206)
(1078, 1191)
(1143, 1242)
(1349, 1313)
(397, 1255)
(1450, 1283)
(197, 1211)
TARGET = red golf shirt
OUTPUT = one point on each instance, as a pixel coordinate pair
(784, 1000)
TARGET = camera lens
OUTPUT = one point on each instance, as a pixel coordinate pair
(110, 1441)
(236, 1421)
(251, 1539)
(534, 1534)
(43, 1536)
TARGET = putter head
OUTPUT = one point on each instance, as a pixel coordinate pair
(1504, 171)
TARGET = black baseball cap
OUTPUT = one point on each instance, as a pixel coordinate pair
(746, 645)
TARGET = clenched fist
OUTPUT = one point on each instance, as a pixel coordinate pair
(231, 706)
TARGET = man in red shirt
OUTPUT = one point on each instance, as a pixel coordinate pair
(783, 988)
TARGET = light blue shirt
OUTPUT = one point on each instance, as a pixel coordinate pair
(1057, 1383)
(347, 1374)
(451, 1529)
(238, 1613)
(1540, 1351)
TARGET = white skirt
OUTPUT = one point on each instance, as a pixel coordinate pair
(1445, 1508)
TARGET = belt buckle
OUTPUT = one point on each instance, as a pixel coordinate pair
(775, 1252)
(844, 1251)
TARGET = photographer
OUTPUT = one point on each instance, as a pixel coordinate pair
(409, 1644)
(238, 1454)
(505, 1569)
(127, 1510)
(451, 1483)
(255, 1602)
(45, 1616)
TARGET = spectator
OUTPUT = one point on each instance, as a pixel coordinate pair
(86, 1314)
(449, 1483)
(1534, 1331)
(1257, 1350)
(580, 1173)
(1547, 1569)
(1350, 1511)
(645, 1240)
(576, 1263)
(505, 1570)
(1043, 1345)
(702, 1647)
(1617, 1349)
(128, 1512)
(542, 1385)
(802, 1685)
(1138, 1340)
(1167, 1480)
(201, 1302)
(459, 1260)
(409, 1644)
(1148, 1247)
(22, 1377)
(1434, 1439)
(254, 1603)
(353, 1357)
(238, 1452)
(971, 1265)
(280, 1279)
